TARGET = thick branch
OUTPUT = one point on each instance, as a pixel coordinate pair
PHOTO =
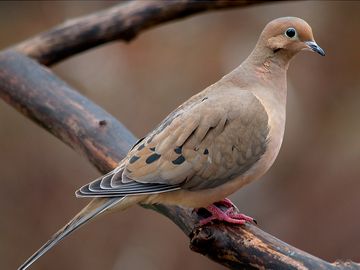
(38, 94)
(124, 21)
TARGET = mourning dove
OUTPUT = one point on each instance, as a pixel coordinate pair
(213, 144)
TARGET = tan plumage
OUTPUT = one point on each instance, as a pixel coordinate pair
(213, 144)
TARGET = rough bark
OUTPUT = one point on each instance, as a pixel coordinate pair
(41, 96)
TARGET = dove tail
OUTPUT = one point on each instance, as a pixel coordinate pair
(93, 209)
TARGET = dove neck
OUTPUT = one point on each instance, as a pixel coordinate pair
(268, 61)
(263, 70)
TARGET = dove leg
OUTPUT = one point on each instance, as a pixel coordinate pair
(227, 203)
(218, 212)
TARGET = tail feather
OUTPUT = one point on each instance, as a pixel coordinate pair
(93, 209)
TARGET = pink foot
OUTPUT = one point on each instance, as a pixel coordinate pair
(228, 215)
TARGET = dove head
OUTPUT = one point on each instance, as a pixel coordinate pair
(283, 38)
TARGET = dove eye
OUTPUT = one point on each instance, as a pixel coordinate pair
(290, 32)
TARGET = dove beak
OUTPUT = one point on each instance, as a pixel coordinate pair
(314, 47)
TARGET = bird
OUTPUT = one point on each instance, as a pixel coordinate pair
(219, 140)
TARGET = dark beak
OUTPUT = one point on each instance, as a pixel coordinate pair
(314, 47)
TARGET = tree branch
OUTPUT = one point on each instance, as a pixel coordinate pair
(123, 21)
(41, 96)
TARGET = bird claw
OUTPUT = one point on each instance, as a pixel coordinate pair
(228, 215)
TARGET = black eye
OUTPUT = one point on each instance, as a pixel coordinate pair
(290, 32)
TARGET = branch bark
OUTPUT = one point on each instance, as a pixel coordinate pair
(41, 96)
(121, 22)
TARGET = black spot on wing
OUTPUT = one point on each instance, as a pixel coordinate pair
(178, 150)
(141, 146)
(152, 158)
(139, 141)
(179, 160)
(205, 98)
(152, 149)
(206, 151)
(133, 159)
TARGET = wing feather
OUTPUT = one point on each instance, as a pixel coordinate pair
(96, 188)
(202, 144)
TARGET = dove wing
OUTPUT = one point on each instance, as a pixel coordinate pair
(202, 144)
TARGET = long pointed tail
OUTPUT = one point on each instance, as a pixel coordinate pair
(93, 209)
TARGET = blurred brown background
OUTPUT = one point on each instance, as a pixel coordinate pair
(310, 198)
